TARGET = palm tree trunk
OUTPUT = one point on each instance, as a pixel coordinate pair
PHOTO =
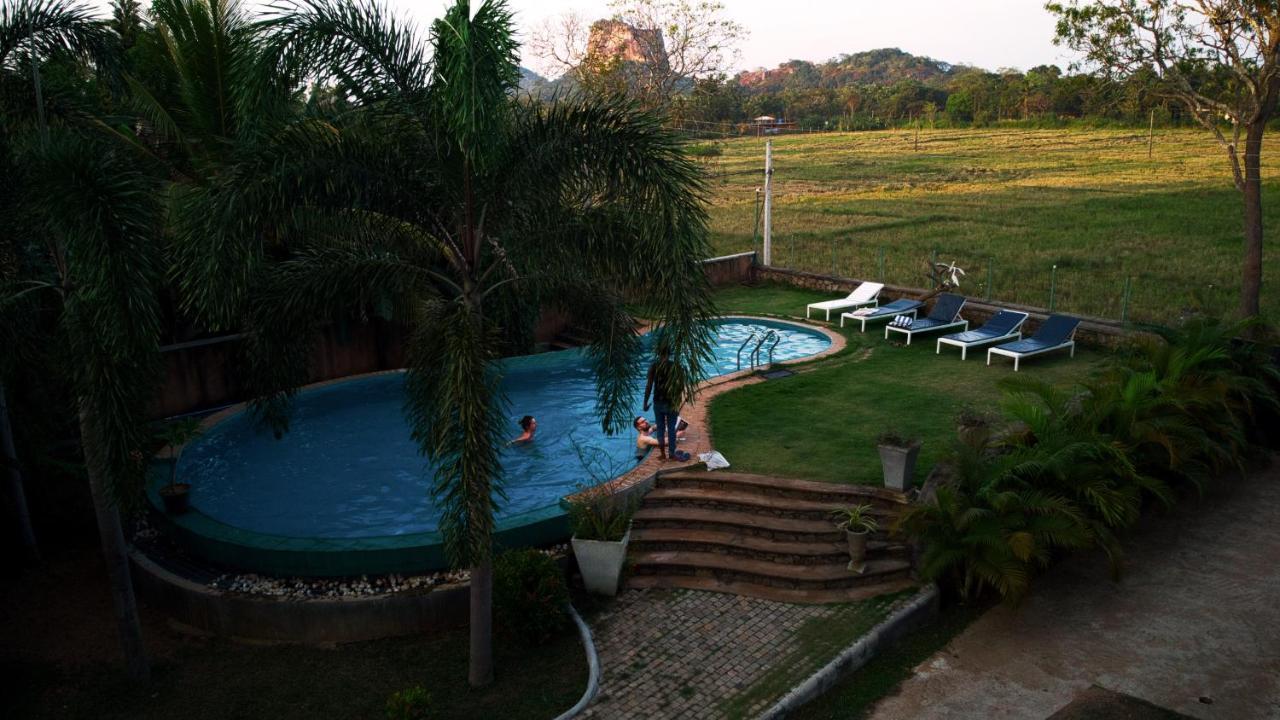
(114, 552)
(481, 669)
(17, 496)
(1251, 282)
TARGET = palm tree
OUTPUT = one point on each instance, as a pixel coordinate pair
(440, 200)
(94, 218)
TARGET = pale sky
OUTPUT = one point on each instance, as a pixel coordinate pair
(988, 33)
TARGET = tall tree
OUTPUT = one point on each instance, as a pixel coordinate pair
(441, 201)
(1218, 58)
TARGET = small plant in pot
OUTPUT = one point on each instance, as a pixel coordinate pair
(601, 523)
(898, 453)
(857, 523)
(171, 438)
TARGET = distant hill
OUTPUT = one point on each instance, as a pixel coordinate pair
(885, 66)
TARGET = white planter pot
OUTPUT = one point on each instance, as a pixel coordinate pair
(601, 563)
(857, 549)
(899, 466)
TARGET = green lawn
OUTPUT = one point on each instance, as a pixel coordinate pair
(219, 680)
(1007, 204)
(822, 424)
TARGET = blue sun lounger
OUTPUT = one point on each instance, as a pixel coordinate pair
(884, 312)
(1003, 326)
(1057, 333)
(944, 316)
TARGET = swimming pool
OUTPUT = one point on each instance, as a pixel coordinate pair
(348, 474)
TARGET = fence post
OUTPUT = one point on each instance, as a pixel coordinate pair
(990, 277)
(833, 258)
(1124, 302)
(1053, 287)
(882, 264)
(755, 234)
(768, 202)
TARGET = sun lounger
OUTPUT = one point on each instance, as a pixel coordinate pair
(1003, 326)
(884, 312)
(862, 296)
(944, 316)
(1056, 333)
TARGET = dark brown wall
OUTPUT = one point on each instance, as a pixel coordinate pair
(730, 269)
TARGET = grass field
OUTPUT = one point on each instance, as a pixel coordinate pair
(823, 424)
(1007, 205)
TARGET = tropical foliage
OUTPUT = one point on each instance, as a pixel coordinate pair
(1075, 468)
(198, 168)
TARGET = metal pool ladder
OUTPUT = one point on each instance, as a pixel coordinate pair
(751, 337)
(755, 354)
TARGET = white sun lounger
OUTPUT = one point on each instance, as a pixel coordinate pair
(1004, 326)
(865, 295)
(1057, 333)
(884, 312)
(944, 316)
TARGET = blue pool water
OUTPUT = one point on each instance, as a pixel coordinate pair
(348, 469)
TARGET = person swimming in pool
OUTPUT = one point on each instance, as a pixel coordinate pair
(645, 429)
(529, 425)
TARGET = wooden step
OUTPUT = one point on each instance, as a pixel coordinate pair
(769, 592)
(763, 572)
(733, 542)
(779, 528)
(736, 500)
(780, 487)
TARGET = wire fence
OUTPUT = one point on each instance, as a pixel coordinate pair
(1124, 297)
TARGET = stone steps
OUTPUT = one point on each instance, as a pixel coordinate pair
(762, 537)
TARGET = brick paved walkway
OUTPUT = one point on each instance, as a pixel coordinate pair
(691, 654)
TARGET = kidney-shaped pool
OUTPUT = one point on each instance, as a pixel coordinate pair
(347, 476)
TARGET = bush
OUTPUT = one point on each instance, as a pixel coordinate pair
(1077, 467)
(704, 150)
(411, 704)
(529, 596)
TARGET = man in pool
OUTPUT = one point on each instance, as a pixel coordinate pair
(529, 426)
(645, 430)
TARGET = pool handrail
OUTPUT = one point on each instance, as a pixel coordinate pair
(743, 346)
(776, 339)
(755, 354)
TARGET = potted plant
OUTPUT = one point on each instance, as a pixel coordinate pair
(601, 523)
(857, 523)
(898, 455)
(973, 427)
(173, 437)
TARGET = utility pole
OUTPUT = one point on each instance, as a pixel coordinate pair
(768, 203)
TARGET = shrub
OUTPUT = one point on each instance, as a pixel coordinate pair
(597, 514)
(411, 704)
(704, 150)
(529, 596)
(895, 438)
(1078, 466)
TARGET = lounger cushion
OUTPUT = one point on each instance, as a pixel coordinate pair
(1056, 330)
(973, 336)
(946, 308)
(896, 307)
(1029, 345)
(1002, 323)
(928, 323)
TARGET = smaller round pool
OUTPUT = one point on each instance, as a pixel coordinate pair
(347, 476)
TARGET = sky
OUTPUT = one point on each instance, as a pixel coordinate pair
(991, 34)
(988, 33)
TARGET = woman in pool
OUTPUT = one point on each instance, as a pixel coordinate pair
(529, 426)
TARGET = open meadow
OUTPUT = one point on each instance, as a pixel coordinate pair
(1007, 205)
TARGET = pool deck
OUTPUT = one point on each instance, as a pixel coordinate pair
(698, 438)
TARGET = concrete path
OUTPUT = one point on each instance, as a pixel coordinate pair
(1194, 625)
